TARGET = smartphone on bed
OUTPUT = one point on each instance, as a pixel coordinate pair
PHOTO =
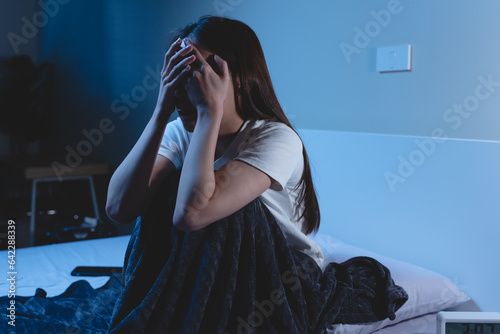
(95, 271)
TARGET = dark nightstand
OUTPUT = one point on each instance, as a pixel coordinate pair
(39, 169)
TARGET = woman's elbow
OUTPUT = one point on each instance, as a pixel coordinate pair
(187, 220)
(116, 214)
(112, 212)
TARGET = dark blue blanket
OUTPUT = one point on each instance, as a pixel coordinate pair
(237, 275)
(81, 309)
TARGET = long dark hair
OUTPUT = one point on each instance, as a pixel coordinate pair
(236, 43)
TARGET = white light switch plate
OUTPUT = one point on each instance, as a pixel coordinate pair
(394, 58)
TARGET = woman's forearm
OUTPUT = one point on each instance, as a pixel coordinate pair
(130, 183)
(197, 182)
(130, 187)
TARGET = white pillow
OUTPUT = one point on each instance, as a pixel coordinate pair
(428, 291)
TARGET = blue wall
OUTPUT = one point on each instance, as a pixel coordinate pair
(324, 89)
(104, 50)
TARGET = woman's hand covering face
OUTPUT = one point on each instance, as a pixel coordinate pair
(206, 86)
(175, 70)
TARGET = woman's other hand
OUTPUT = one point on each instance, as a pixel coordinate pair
(207, 90)
(175, 69)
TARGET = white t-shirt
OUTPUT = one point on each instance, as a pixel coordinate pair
(271, 147)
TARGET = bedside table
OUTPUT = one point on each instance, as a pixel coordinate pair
(39, 169)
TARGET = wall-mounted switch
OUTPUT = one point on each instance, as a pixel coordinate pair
(394, 58)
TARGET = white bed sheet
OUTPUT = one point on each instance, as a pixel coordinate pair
(49, 267)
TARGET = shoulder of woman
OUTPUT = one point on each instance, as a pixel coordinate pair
(276, 131)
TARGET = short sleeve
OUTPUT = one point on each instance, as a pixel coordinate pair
(175, 143)
(275, 149)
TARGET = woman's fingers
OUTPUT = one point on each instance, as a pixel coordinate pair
(179, 71)
(222, 66)
(174, 55)
(180, 77)
(199, 57)
(175, 67)
(177, 58)
(170, 52)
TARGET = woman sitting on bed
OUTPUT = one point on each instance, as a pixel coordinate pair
(238, 256)
(215, 75)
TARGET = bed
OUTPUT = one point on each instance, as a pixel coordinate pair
(49, 267)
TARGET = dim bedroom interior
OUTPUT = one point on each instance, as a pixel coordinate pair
(405, 163)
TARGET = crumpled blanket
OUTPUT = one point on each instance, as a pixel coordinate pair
(237, 275)
(80, 309)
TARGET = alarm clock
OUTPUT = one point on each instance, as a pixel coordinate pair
(468, 322)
